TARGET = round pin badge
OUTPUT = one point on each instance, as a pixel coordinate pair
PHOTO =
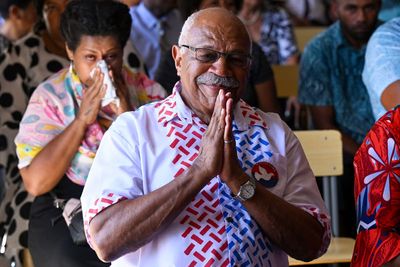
(265, 173)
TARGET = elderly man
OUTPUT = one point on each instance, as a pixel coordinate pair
(331, 85)
(202, 178)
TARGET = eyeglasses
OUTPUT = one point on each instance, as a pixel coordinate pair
(207, 55)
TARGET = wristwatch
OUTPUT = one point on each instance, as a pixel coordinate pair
(246, 190)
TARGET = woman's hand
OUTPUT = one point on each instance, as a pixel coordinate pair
(122, 93)
(91, 99)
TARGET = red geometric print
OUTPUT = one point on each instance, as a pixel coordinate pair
(205, 229)
(99, 205)
(249, 113)
(203, 222)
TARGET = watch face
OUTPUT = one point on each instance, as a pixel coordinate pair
(247, 191)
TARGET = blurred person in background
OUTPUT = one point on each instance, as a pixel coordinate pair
(156, 25)
(308, 12)
(332, 87)
(19, 18)
(390, 9)
(23, 66)
(270, 26)
(381, 73)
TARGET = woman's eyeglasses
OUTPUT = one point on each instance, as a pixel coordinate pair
(207, 55)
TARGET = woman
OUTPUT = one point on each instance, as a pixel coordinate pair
(377, 194)
(19, 18)
(65, 121)
(271, 28)
(23, 66)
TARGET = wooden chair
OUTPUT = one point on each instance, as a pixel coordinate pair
(286, 80)
(323, 149)
(304, 35)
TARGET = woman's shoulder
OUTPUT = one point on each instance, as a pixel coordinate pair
(53, 85)
(146, 89)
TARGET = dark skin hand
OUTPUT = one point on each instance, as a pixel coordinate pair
(112, 232)
(50, 164)
(393, 263)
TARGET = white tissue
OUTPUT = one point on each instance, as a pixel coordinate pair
(110, 95)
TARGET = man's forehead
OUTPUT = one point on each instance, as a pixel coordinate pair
(357, 2)
(206, 33)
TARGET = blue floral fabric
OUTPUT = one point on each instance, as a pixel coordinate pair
(330, 75)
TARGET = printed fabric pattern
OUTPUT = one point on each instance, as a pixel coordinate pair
(377, 192)
(330, 75)
(277, 37)
(216, 230)
(53, 107)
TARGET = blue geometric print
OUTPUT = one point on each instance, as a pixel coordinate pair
(365, 222)
(246, 243)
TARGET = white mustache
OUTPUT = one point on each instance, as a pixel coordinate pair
(213, 79)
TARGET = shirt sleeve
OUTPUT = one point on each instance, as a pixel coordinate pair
(44, 119)
(116, 173)
(314, 86)
(377, 193)
(301, 189)
(382, 63)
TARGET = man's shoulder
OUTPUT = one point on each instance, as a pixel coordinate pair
(145, 114)
(327, 39)
(387, 32)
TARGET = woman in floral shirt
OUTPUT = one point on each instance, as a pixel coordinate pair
(377, 193)
(65, 121)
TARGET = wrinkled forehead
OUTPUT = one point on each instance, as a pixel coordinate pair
(228, 36)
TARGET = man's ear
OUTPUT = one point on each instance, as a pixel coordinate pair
(176, 54)
(13, 12)
(70, 53)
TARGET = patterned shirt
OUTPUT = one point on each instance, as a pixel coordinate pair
(146, 149)
(382, 63)
(54, 105)
(277, 38)
(377, 193)
(330, 75)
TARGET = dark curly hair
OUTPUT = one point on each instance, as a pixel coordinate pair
(95, 18)
(5, 6)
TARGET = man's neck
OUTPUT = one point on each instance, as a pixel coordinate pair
(355, 43)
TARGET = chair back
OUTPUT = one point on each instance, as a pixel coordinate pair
(286, 80)
(304, 35)
(323, 149)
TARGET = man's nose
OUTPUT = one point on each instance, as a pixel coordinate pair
(361, 15)
(222, 67)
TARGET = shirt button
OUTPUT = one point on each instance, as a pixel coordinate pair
(229, 219)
